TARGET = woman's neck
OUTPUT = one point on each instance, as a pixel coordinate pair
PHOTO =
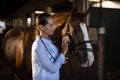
(44, 35)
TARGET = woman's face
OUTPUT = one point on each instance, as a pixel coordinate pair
(49, 27)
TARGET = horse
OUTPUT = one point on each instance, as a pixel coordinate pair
(18, 41)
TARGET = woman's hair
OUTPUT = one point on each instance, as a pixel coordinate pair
(42, 18)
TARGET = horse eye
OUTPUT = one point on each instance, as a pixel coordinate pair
(76, 31)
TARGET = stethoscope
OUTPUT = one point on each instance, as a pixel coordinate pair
(52, 58)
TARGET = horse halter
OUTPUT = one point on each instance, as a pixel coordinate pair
(76, 45)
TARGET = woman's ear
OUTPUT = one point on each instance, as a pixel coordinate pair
(40, 27)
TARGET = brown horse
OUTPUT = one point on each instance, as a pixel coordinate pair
(18, 42)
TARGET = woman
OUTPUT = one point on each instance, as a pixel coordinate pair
(46, 60)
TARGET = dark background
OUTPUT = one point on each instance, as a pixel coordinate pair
(110, 20)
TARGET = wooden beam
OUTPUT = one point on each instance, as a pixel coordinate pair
(32, 6)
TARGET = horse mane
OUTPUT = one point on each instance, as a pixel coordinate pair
(57, 35)
(29, 36)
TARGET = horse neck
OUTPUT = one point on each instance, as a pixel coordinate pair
(57, 36)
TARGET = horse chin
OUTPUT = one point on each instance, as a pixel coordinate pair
(81, 58)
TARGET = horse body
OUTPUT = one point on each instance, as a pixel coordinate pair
(18, 42)
(17, 45)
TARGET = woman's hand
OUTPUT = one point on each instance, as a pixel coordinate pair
(65, 43)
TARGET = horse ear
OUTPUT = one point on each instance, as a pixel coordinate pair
(74, 12)
(87, 11)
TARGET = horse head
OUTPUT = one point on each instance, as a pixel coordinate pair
(75, 28)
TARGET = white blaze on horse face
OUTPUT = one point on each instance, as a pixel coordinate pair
(86, 38)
